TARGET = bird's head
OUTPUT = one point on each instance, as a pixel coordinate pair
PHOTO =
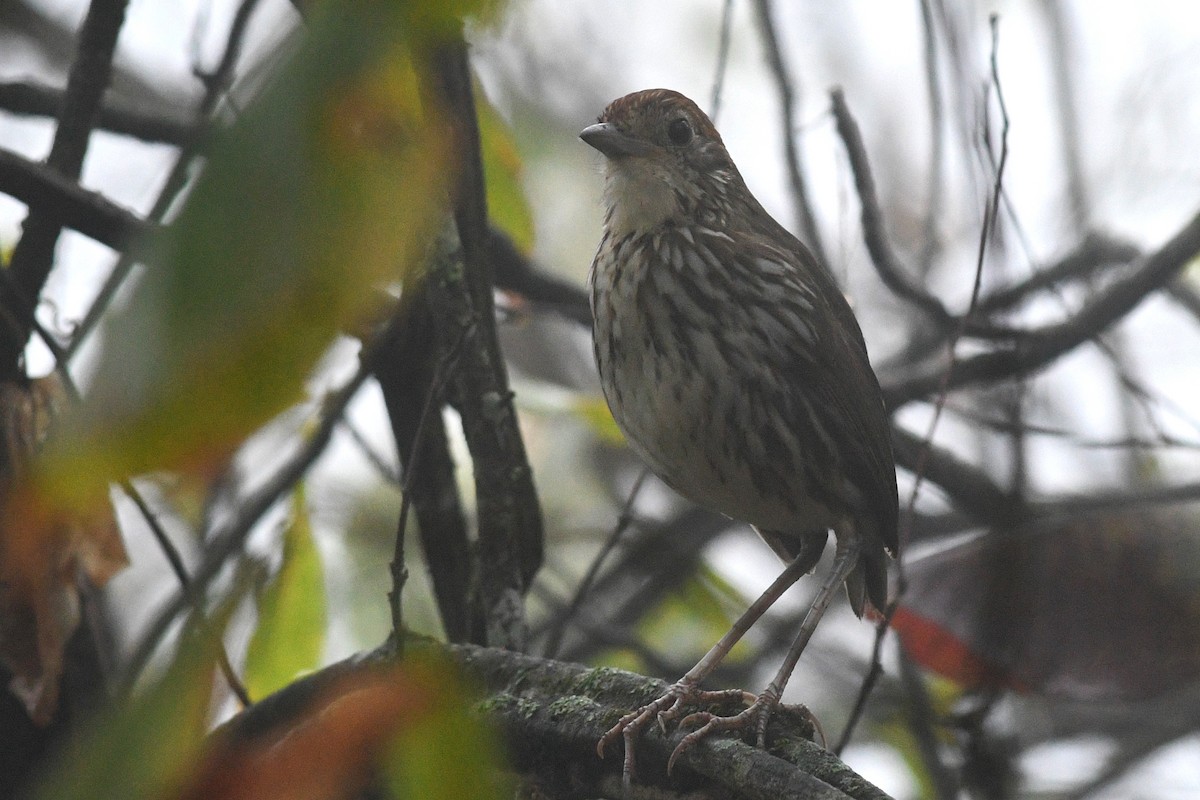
(665, 162)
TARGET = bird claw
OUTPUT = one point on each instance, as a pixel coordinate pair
(754, 717)
(630, 726)
(670, 707)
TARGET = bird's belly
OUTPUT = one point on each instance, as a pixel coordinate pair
(703, 429)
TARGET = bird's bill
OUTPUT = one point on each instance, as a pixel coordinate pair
(608, 139)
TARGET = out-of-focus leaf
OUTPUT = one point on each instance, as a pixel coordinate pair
(447, 755)
(1100, 607)
(328, 185)
(595, 412)
(408, 721)
(44, 551)
(145, 749)
(507, 205)
(291, 612)
(693, 618)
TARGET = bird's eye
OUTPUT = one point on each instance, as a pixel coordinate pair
(679, 132)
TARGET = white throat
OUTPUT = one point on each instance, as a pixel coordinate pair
(639, 196)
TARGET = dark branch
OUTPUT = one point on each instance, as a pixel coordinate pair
(406, 377)
(34, 253)
(510, 524)
(1097, 250)
(1039, 346)
(968, 487)
(893, 275)
(551, 714)
(32, 99)
(514, 272)
(90, 213)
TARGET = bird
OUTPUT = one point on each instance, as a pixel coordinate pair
(736, 369)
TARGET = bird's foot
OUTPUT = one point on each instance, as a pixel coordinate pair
(755, 717)
(665, 710)
(672, 705)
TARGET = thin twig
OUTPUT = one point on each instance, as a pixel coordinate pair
(389, 473)
(197, 602)
(404, 376)
(989, 221)
(437, 384)
(624, 520)
(930, 241)
(722, 59)
(806, 215)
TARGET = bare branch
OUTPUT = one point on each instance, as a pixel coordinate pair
(1039, 346)
(722, 59)
(34, 253)
(33, 99)
(510, 523)
(90, 213)
(515, 272)
(551, 713)
(886, 263)
(787, 102)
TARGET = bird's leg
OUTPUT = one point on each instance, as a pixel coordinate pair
(759, 712)
(686, 690)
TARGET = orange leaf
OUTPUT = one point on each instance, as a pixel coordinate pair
(332, 749)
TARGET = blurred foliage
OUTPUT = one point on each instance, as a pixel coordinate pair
(687, 622)
(328, 186)
(508, 208)
(144, 748)
(290, 633)
(402, 731)
(446, 754)
(595, 412)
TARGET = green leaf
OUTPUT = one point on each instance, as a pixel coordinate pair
(508, 207)
(329, 185)
(448, 754)
(290, 634)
